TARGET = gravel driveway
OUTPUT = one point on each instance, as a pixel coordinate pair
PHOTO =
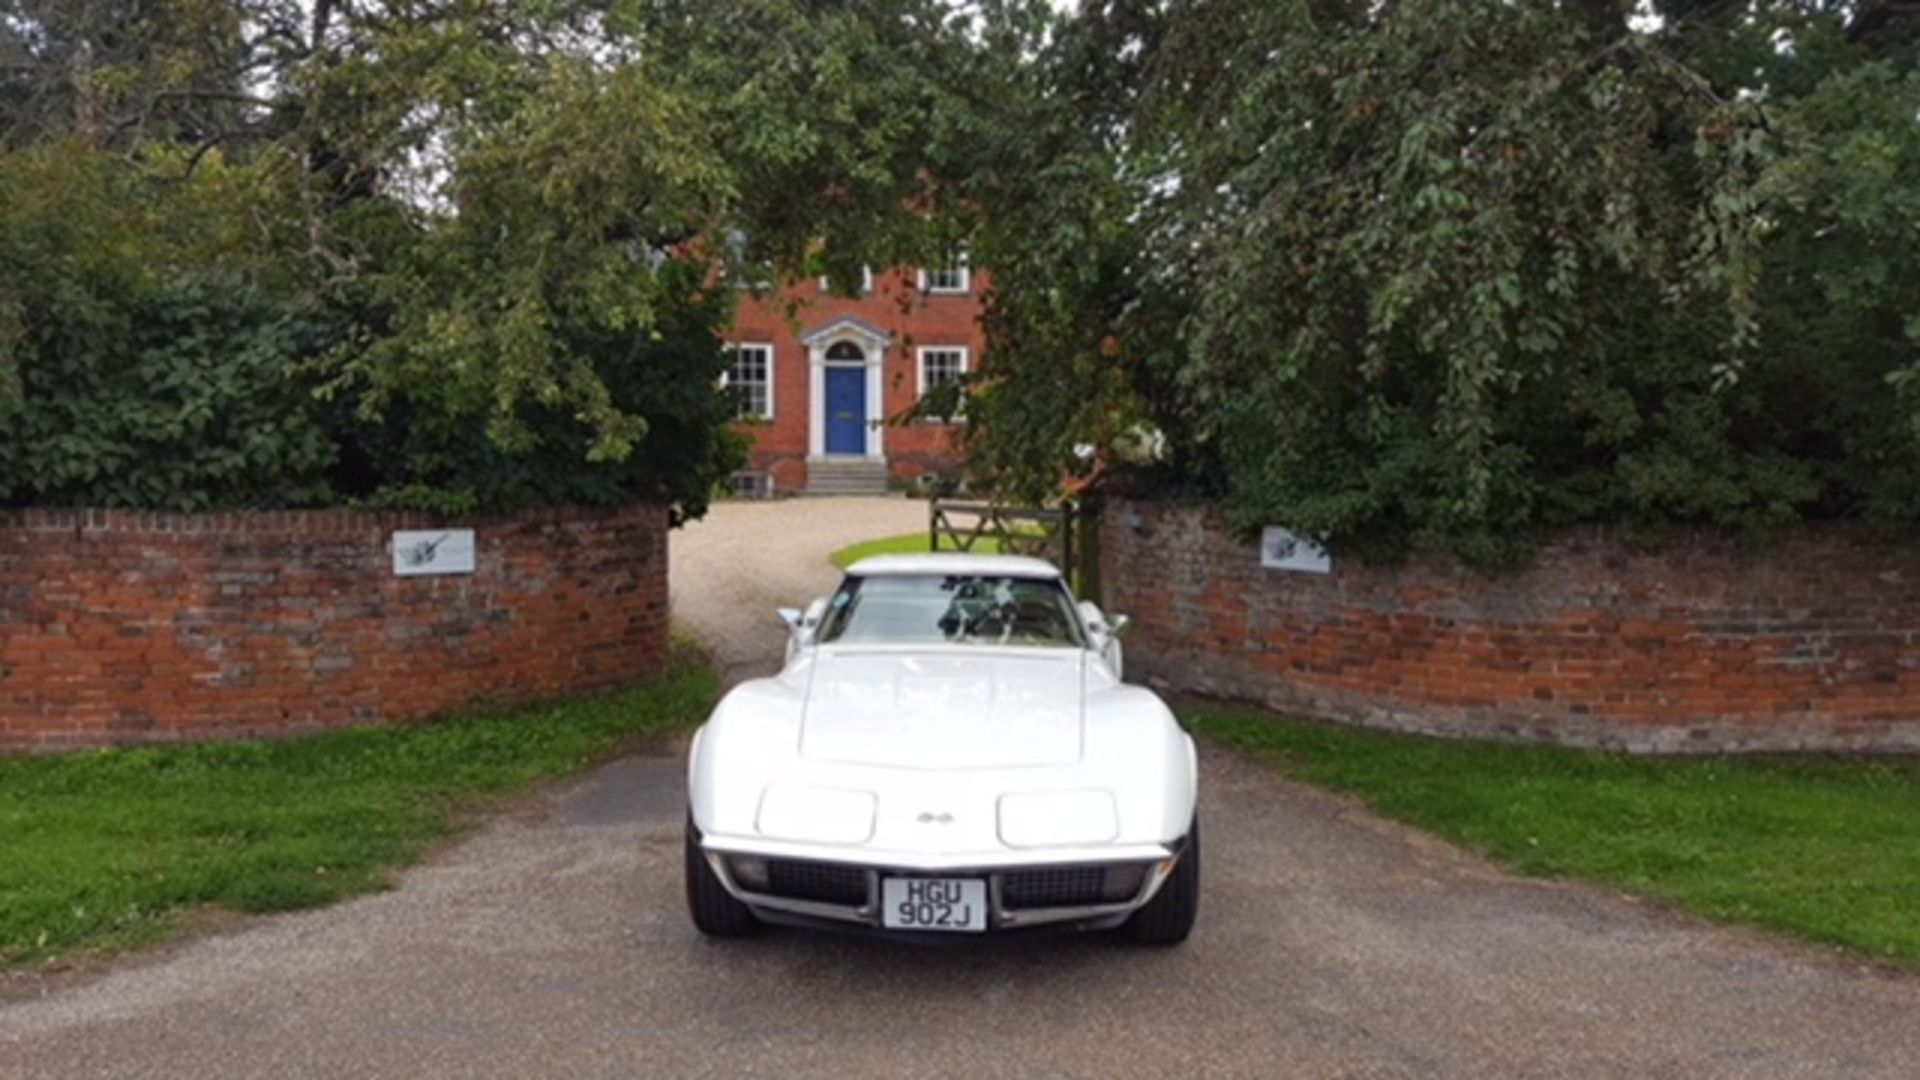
(733, 568)
(1330, 943)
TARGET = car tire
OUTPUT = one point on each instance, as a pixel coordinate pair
(715, 912)
(1168, 917)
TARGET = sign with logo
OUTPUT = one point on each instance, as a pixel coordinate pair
(1281, 549)
(432, 551)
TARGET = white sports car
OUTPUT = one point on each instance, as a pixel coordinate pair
(949, 749)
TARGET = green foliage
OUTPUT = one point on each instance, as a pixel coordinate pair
(1435, 275)
(1817, 848)
(426, 253)
(841, 123)
(659, 380)
(913, 543)
(186, 403)
(143, 377)
(1442, 275)
(1058, 223)
(107, 850)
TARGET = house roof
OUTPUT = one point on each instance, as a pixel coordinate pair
(847, 325)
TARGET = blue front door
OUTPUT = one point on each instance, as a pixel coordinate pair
(846, 410)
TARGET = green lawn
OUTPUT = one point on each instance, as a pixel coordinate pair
(1824, 848)
(106, 850)
(905, 544)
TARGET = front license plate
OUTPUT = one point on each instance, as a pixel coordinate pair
(917, 903)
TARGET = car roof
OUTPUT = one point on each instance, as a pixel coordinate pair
(954, 563)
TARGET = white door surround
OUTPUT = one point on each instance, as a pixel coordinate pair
(873, 345)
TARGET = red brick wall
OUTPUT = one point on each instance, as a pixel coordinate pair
(897, 307)
(1707, 643)
(120, 628)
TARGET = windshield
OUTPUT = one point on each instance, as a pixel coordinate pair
(950, 609)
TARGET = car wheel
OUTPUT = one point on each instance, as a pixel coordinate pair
(1168, 917)
(713, 908)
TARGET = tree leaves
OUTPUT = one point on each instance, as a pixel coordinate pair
(1440, 275)
(504, 225)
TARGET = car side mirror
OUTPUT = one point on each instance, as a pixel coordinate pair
(1105, 634)
(1091, 615)
(796, 630)
(802, 625)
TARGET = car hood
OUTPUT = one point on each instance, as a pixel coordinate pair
(961, 709)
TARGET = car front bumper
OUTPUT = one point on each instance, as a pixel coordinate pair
(1025, 889)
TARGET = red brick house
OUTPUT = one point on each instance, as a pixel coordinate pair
(819, 387)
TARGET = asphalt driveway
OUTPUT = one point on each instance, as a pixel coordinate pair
(1331, 943)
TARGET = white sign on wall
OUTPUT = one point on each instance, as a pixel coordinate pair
(1281, 549)
(432, 551)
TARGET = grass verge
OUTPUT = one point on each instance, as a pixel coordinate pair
(1822, 848)
(915, 543)
(105, 851)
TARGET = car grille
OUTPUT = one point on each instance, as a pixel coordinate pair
(826, 883)
(1070, 886)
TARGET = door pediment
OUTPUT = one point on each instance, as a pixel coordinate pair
(847, 328)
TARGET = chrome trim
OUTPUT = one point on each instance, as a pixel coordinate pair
(916, 862)
(868, 912)
(1149, 885)
(998, 917)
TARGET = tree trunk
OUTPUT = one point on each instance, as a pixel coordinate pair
(86, 103)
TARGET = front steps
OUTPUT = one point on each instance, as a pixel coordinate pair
(846, 476)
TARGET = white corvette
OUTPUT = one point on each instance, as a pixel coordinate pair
(949, 749)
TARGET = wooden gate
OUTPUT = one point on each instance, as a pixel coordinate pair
(987, 527)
